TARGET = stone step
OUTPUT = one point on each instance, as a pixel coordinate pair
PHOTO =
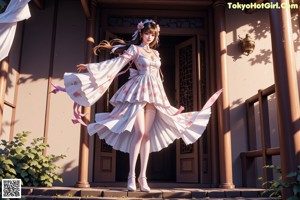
(30, 197)
(47, 193)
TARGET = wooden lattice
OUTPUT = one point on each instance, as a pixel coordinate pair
(186, 78)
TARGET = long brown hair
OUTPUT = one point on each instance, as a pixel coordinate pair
(149, 26)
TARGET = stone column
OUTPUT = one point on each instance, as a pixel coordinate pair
(286, 91)
(226, 180)
(84, 136)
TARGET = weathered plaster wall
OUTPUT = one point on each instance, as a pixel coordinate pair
(248, 74)
(35, 67)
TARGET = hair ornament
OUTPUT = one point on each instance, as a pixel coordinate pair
(115, 47)
(140, 26)
(158, 29)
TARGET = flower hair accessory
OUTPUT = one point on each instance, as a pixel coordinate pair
(140, 26)
(158, 28)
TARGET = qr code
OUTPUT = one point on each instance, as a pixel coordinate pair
(11, 188)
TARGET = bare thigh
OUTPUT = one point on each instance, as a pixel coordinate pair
(150, 106)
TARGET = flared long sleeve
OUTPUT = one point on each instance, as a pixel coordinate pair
(86, 88)
(16, 11)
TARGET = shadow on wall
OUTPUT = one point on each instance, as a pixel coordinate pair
(10, 86)
(36, 56)
(239, 134)
(6, 123)
(259, 28)
(69, 175)
(263, 58)
(238, 112)
(238, 137)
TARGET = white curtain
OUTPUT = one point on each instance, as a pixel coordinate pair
(17, 10)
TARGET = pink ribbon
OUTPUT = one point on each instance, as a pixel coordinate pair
(124, 71)
(76, 107)
(177, 112)
(57, 88)
(115, 47)
(78, 115)
(212, 99)
(118, 115)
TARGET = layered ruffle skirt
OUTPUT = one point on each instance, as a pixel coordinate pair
(117, 127)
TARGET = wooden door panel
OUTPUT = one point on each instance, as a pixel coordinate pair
(186, 95)
(104, 162)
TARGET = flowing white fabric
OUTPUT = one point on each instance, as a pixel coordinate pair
(144, 86)
(86, 88)
(17, 10)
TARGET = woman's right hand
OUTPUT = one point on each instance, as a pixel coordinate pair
(81, 67)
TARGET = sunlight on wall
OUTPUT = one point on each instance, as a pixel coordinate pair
(246, 74)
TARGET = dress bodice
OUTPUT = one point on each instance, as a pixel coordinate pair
(144, 84)
(146, 65)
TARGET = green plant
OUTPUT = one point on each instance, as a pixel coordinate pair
(28, 162)
(275, 186)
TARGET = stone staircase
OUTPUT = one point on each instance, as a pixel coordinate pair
(70, 193)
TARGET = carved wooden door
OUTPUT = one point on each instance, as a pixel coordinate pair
(105, 155)
(186, 95)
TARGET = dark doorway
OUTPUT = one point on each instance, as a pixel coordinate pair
(162, 165)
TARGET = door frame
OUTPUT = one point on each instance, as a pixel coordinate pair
(187, 169)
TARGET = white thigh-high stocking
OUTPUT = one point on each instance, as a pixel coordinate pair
(145, 146)
(135, 146)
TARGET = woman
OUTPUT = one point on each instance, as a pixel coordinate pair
(142, 121)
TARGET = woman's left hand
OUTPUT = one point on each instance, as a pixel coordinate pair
(81, 67)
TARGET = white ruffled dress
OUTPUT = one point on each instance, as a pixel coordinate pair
(144, 86)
